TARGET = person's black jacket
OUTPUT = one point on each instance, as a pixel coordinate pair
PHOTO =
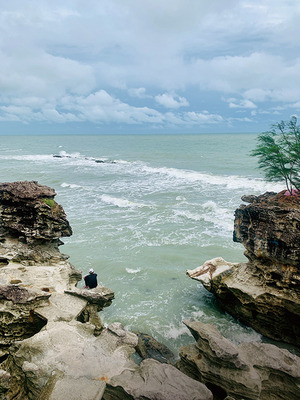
(91, 280)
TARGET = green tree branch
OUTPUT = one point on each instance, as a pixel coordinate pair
(278, 152)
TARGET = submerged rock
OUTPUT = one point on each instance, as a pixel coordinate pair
(264, 292)
(249, 371)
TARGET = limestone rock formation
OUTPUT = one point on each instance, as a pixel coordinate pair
(31, 223)
(148, 347)
(264, 292)
(249, 371)
(28, 209)
(155, 381)
(269, 228)
(53, 344)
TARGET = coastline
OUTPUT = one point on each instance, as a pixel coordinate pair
(182, 216)
(57, 333)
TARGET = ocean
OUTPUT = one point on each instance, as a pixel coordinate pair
(143, 209)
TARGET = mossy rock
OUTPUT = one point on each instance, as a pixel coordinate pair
(50, 202)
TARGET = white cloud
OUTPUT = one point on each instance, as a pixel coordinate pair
(100, 107)
(171, 101)
(296, 105)
(234, 103)
(138, 92)
(35, 73)
(59, 61)
(202, 118)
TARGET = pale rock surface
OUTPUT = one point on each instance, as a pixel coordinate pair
(73, 350)
(249, 371)
(81, 389)
(156, 381)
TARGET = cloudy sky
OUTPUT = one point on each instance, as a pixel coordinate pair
(149, 66)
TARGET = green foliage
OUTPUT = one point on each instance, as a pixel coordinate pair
(49, 202)
(278, 152)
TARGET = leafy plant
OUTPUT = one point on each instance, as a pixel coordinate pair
(278, 152)
(49, 202)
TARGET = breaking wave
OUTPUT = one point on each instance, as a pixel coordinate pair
(121, 203)
(70, 185)
(139, 168)
(230, 181)
(133, 271)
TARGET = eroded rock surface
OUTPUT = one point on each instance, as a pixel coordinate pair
(269, 228)
(264, 292)
(155, 381)
(53, 344)
(29, 209)
(31, 223)
(249, 371)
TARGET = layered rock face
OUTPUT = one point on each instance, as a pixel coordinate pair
(249, 371)
(31, 223)
(53, 344)
(269, 228)
(265, 292)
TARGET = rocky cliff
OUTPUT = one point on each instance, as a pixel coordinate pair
(53, 345)
(249, 371)
(264, 292)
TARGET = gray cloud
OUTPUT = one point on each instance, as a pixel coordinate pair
(75, 60)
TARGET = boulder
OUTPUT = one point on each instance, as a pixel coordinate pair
(65, 352)
(70, 348)
(269, 229)
(249, 371)
(264, 292)
(100, 296)
(155, 381)
(28, 211)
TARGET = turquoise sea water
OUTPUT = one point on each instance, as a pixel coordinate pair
(144, 208)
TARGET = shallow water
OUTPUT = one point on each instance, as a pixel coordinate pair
(144, 208)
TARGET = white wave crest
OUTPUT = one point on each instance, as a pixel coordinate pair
(230, 181)
(174, 332)
(221, 217)
(180, 198)
(122, 203)
(29, 157)
(70, 185)
(132, 271)
(188, 215)
(63, 153)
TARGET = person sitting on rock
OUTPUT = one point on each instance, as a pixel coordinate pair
(90, 280)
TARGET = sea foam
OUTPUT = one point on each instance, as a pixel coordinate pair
(133, 271)
(121, 203)
(230, 181)
(70, 185)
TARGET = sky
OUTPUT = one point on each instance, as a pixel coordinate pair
(148, 66)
